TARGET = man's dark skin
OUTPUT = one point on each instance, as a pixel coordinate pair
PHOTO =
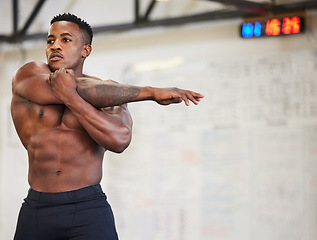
(67, 120)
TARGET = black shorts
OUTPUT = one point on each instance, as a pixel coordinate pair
(82, 214)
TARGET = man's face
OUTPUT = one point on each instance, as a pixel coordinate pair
(65, 46)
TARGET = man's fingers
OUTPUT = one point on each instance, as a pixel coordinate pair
(49, 78)
(191, 98)
(70, 71)
(183, 97)
(187, 96)
(198, 95)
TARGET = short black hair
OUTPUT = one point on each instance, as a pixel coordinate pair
(83, 25)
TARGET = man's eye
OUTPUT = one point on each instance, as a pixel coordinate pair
(66, 40)
(50, 41)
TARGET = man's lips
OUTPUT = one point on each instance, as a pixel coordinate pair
(54, 57)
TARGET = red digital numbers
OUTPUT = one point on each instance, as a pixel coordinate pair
(289, 26)
(273, 27)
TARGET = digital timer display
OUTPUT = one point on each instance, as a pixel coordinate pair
(273, 27)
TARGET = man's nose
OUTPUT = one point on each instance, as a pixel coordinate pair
(56, 45)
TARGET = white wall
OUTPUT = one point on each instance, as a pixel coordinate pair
(240, 166)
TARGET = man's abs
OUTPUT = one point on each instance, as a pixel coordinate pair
(63, 160)
(62, 156)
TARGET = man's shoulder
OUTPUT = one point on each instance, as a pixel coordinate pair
(34, 66)
(31, 68)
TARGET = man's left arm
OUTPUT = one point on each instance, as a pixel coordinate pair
(84, 97)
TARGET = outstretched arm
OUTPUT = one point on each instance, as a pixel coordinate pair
(101, 93)
(106, 93)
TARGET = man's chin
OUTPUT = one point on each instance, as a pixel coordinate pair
(55, 66)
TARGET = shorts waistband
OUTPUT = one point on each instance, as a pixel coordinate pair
(69, 196)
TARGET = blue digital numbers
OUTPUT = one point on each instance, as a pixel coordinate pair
(249, 30)
(257, 29)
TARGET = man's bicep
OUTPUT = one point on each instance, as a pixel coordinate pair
(120, 112)
(36, 90)
(30, 82)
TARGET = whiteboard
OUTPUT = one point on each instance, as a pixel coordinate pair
(239, 166)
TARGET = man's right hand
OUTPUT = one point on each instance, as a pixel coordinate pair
(62, 83)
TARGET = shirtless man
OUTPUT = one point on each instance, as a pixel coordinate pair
(66, 120)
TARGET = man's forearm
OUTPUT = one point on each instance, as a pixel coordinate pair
(103, 94)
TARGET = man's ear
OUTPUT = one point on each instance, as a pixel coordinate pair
(86, 50)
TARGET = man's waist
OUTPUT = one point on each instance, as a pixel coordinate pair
(68, 196)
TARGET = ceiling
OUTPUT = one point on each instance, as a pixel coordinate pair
(29, 19)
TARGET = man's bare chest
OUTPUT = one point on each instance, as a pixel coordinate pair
(54, 116)
(35, 116)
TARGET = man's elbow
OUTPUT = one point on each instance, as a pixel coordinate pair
(119, 148)
(121, 141)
